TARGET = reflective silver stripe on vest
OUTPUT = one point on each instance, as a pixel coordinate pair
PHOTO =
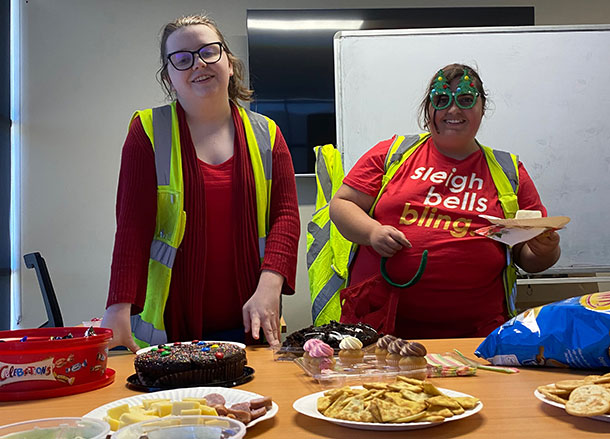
(332, 286)
(321, 236)
(506, 163)
(162, 133)
(260, 126)
(406, 144)
(146, 331)
(262, 242)
(163, 253)
(323, 176)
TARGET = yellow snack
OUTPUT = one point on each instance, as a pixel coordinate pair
(147, 403)
(114, 423)
(178, 406)
(324, 403)
(467, 402)
(207, 410)
(412, 396)
(437, 410)
(444, 401)
(413, 381)
(431, 389)
(158, 408)
(589, 396)
(396, 402)
(588, 400)
(201, 401)
(401, 385)
(431, 418)
(354, 410)
(416, 417)
(390, 412)
(553, 396)
(132, 418)
(162, 408)
(116, 412)
(569, 384)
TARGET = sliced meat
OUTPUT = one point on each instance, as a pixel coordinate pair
(221, 409)
(261, 402)
(241, 415)
(257, 413)
(245, 406)
(215, 399)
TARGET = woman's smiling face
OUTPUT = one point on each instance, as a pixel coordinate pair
(455, 128)
(201, 80)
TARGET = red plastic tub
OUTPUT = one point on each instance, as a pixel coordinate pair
(41, 363)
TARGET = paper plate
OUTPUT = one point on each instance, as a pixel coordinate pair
(307, 406)
(553, 222)
(231, 396)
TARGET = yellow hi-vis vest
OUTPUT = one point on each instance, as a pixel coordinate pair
(503, 167)
(161, 127)
(327, 250)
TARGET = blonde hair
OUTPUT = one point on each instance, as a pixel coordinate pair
(237, 88)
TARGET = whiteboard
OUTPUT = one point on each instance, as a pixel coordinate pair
(549, 102)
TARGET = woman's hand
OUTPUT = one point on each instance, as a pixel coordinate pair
(348, 210)
(262, 310)
(118, 318)
(544, 244)
(538, 253)
(387, 240)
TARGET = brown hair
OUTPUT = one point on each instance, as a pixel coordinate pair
(451, 72)
(237, 88)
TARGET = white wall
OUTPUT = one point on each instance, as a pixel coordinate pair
(86, 65)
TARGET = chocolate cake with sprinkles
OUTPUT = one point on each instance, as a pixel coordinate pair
(190, 364)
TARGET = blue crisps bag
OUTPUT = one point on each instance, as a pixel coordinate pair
(571, 333)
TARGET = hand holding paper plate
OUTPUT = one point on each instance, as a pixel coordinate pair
(526, 225)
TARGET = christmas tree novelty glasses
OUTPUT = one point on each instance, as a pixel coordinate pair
(465, 95)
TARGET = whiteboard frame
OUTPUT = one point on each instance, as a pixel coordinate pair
(342, 36)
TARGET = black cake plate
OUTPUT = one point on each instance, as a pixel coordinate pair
(134, 383)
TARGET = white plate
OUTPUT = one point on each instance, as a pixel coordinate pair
(542, 398)
(241, 345)
(231, 396)
(307, 406)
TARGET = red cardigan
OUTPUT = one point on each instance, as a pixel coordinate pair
(193, 310)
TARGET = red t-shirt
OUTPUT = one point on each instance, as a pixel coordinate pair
(219, 276)
(436, 202)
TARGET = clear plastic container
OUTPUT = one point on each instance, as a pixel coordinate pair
(56, 428)
(291, 353)
(369, 370)
(184, 427)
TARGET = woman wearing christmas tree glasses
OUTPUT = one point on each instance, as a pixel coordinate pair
(413, 203)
